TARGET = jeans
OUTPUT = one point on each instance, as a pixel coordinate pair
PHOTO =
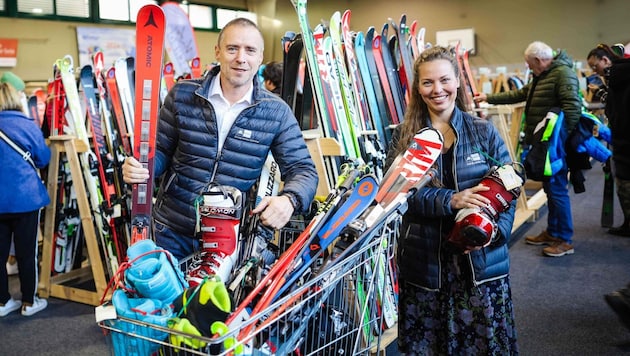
(180, 246)
(559, 219)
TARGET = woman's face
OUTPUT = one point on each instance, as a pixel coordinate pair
(599, 65)
(438, 85)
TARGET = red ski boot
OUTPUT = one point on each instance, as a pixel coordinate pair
(219, 218)
(477, 226)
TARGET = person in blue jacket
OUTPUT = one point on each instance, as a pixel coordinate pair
(220, 129)
(452, 301)
(22, 195)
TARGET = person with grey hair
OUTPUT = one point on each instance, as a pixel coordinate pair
(218, 130)
(554, 85)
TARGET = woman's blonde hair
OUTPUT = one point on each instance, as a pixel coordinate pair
(9, 98)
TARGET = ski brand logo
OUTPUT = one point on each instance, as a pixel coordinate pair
(272, 178)
(423, 153)
(151, 21)
(217, 210)
(473, 158)
(366, 188)
(149, 54)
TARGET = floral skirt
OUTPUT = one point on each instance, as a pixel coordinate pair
(460, 319)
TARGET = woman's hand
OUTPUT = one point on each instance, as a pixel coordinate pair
(469, 198)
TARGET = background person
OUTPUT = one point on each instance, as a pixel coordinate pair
(272, 77)
(22, 195)
(554, 84)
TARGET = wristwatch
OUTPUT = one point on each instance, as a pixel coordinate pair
(293, 199)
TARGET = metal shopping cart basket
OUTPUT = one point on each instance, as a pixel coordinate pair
(344, 309)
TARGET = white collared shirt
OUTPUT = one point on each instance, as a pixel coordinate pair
(226, 114)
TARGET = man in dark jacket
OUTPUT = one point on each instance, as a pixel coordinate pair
(219, 130)
(618, 112)
(554, 84)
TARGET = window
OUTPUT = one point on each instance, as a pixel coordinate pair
(73, 8)
(36, 7)
(200, 16)
(114, 10)
(224, 16)
(121, 10)
(135, 5)
(204, 17)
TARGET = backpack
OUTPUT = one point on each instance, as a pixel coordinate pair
(544, 158)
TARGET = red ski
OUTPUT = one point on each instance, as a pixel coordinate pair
(150, 26)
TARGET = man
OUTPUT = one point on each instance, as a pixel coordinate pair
(218, 130)
(554, 84)
(618, 111)
(601, 59)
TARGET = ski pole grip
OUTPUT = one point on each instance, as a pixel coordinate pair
(349, 180)
(426, 178)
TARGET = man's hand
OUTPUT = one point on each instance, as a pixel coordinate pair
(133, 171)
(480, 97)
(275, 212)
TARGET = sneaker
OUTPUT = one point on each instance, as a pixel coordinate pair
(619, 302)
(37, 306)
(12, 268)
(559, 249)
(9, 306)
(542, 239)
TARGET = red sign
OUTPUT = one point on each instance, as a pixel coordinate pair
(8, 52)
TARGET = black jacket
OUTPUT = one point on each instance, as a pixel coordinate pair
(424, 224)
(618, 113)
(187, 151)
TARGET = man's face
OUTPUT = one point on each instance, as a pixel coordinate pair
(239, 53)
(538, 65)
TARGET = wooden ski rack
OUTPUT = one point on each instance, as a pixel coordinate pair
(320, 147)
(59, 286)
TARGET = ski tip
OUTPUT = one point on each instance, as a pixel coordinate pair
(431, 134)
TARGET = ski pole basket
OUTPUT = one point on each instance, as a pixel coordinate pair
(343, 308)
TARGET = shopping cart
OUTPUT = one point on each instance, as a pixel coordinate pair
(338, 310)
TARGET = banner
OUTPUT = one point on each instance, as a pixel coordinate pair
(181, 45)
(113, 42)
(8, 52)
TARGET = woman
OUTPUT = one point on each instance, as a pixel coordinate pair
(22, 195)
(452, 300)
(599, 60)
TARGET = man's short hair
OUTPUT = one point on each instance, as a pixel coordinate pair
(539, 50)
(239, 21)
